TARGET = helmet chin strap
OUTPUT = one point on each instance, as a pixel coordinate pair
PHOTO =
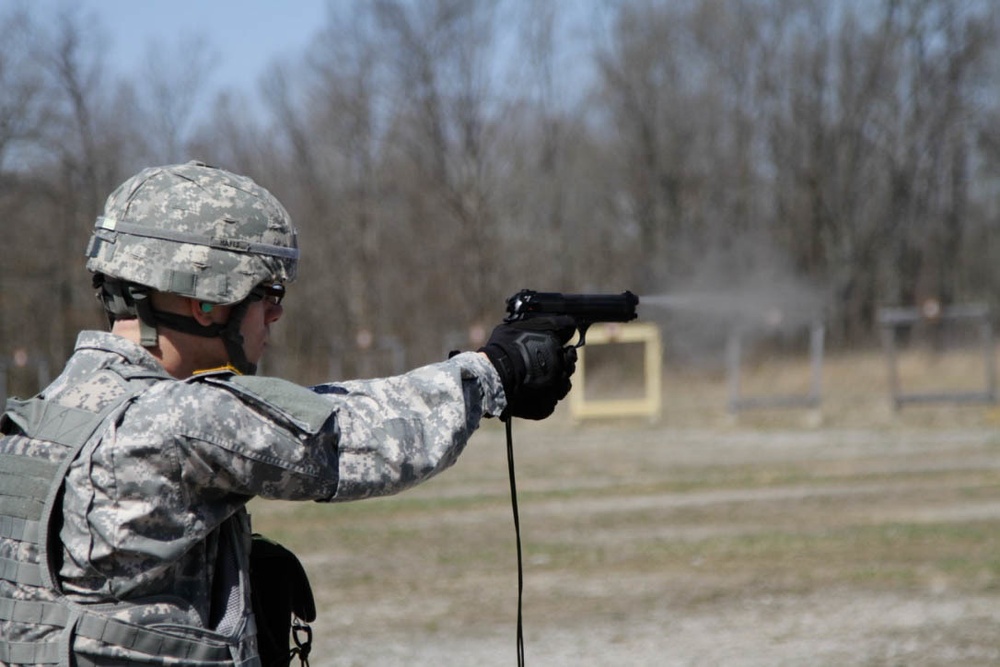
(128, 300)
(232, 338)
(229, 332)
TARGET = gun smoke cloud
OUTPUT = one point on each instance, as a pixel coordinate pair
(748, 290)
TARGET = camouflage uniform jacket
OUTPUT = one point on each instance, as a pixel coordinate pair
(144, 503)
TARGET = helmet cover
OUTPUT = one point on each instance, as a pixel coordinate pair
(194, 230)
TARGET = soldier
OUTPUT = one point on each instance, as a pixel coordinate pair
(123, 533)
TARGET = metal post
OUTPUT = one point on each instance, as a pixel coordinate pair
(889, 344)
(989, 361)
(816, 337)
(734, 353)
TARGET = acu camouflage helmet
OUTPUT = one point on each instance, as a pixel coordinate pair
(194, 230)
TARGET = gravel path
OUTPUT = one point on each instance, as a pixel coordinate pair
(795, 483)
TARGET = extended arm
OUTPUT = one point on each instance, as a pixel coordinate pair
(396, 432)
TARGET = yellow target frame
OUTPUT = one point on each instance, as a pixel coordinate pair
(650, 404)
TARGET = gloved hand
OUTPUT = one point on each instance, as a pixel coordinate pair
(534, 364)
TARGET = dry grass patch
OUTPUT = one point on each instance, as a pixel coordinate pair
(867, 537)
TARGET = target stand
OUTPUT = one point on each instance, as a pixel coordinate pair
(648, 404)
(932, 317)
(738, 399)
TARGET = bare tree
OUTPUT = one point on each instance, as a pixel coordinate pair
(443, 135)
(24, 109)
(439, 155)
(170, 87)
(644, 80)
(330, 123)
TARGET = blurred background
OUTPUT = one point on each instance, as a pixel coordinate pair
(799, 190)
(438, 156)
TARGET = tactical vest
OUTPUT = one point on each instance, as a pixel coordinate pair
(39, 625)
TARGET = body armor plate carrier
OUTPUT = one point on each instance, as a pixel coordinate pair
(39, 625)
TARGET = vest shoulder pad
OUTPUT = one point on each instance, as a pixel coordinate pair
(284, 400)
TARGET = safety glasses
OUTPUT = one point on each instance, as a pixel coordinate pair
(272, 293)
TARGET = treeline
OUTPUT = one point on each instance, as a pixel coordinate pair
(438, 156)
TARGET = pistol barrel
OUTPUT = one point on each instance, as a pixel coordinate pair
(588, 308)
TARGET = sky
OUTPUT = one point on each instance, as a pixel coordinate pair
(243, 35)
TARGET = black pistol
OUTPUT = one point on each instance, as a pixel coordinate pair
(585, 309)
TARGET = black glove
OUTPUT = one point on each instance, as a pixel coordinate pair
(534, 364)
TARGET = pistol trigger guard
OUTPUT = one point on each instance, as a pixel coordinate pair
(583, 335)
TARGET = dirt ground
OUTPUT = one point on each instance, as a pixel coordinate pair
(848, 535)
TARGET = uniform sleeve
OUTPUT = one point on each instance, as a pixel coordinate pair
(396, 432)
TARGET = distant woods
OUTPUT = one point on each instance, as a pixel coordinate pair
(438, 156)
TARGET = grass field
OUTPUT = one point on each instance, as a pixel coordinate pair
(848, 535)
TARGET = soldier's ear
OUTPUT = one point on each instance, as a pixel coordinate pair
(201, 311)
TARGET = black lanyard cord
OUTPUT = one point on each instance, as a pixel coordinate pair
(517, 535)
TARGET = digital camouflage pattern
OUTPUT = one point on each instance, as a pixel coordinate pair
(194, 230)
(147, 503)
(37, 623)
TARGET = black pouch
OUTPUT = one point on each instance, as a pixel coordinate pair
(282, 603)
